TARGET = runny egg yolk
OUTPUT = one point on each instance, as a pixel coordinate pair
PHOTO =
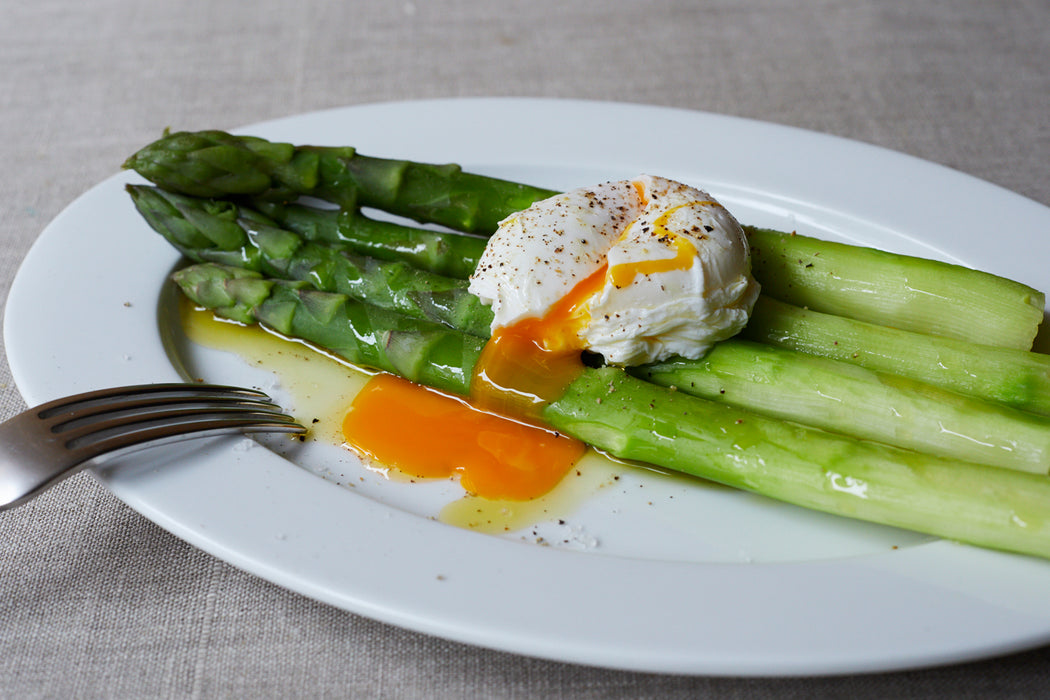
(495, 442)
(685, 253)
(427, 434)
(531, 362)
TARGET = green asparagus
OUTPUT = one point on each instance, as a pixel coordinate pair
(970, 429)
(924, 296)
(363, 334)
(861, 403)
(223, 232)
(218, 164)
(629, 418)
(443, 253)
(638, 420)
(909, 293)
(1017, 378)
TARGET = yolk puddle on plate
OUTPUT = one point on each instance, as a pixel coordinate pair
(323, 387)
(495, 441)
(428, 434)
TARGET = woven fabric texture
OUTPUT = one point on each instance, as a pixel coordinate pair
(96, 601)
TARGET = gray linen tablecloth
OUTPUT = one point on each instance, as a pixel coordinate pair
(96, 601)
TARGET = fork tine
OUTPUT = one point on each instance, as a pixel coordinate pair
(83, 418)
(103, 400)
(95, 423)
(122, 434)
(43, 445)
(122, 417)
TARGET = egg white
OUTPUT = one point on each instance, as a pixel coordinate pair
(676, 306)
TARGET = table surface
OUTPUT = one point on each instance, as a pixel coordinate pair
(96, 601)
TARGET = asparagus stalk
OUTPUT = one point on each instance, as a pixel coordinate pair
(882, 409)
(905, 292)
(637, 420)
(861, 403)
(923, 296)
(454, 255)
(216, 231)
(1017, 378)
(884, 288)
(360, 333)
(219, 231)
(222, 232)
(218, 164)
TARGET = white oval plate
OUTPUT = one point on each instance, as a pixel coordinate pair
(671, 575)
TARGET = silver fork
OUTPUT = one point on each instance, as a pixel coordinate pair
(42, 446)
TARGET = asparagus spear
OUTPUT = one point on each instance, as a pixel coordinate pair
(1017, 378)
(222, 232)
(219, 231)
(905, 292)
(216, 231)
(884, 408)
(454, 255)
(637, 420)
(922, 295)
(360, 333)
(217, 164)
(861, 403)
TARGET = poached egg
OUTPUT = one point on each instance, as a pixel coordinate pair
(634, 270)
